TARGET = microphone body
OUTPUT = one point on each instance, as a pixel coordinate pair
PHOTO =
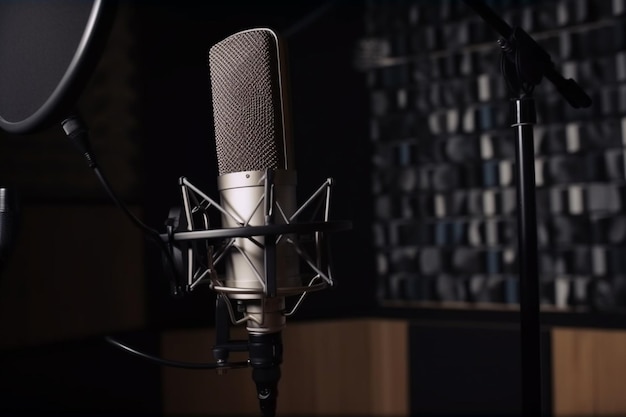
(242, 195)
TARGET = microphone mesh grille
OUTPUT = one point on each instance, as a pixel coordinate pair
(245, 87)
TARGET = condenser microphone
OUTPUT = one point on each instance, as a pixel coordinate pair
(271, 249)
(255, 164)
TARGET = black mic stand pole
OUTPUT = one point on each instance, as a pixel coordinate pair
(523, 64)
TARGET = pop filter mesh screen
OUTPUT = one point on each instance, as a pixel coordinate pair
(245, 87)
(40, 55)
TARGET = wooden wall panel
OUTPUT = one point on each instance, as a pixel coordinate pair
(334, 368)
(389, 368)
(589, 366)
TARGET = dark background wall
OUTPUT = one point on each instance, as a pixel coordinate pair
(376, 87)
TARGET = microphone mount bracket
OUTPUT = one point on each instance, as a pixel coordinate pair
(188, 231)
(198, 249)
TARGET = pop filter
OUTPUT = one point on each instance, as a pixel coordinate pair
(48, 50)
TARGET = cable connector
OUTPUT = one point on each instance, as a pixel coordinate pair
(78, 134)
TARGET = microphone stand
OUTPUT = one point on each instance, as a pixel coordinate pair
(524, 63)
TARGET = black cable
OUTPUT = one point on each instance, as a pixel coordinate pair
(150, 232)
(77, 132)
(136, 221)
(177, 364)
